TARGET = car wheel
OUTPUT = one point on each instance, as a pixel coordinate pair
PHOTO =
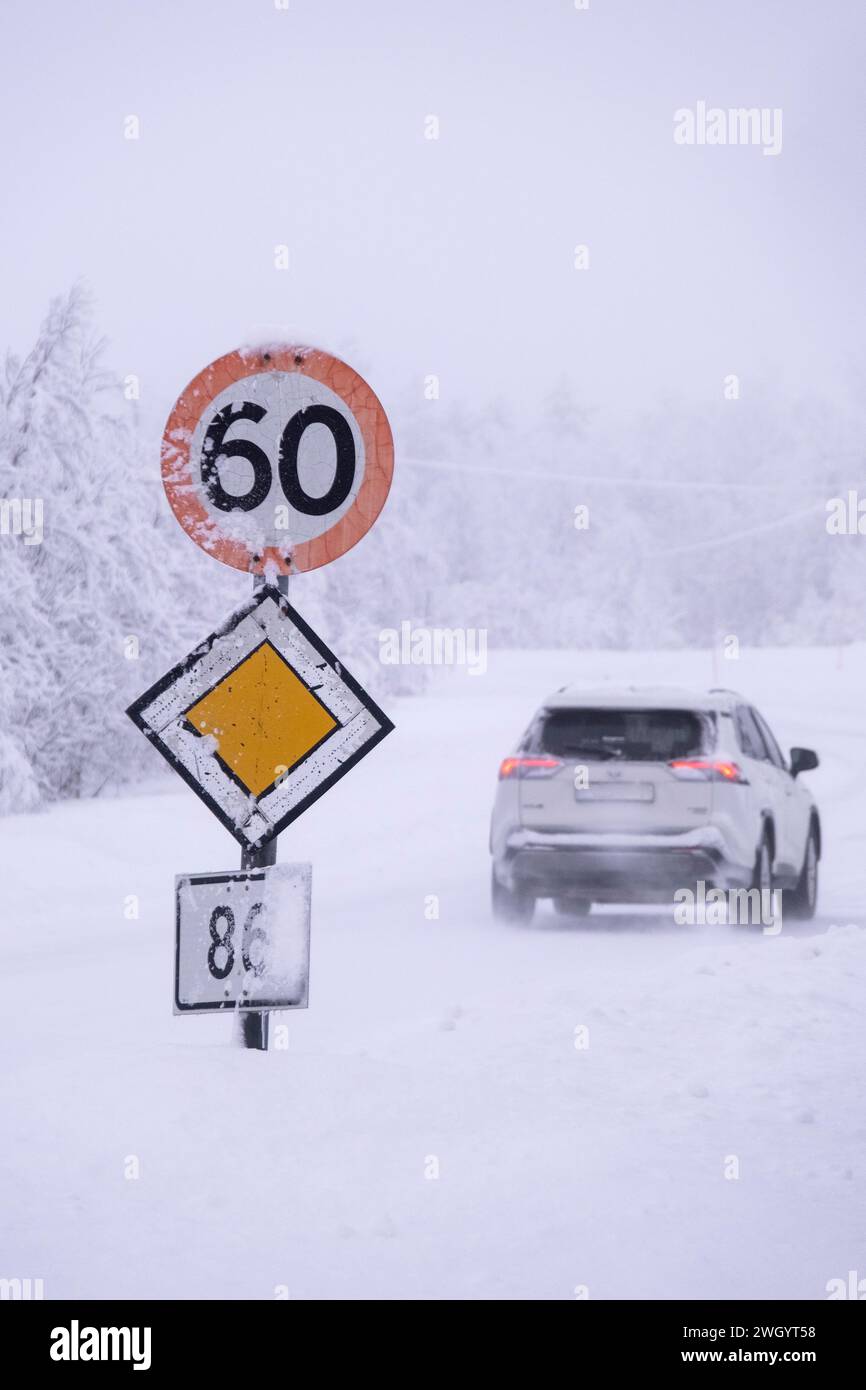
(572, 907)
(762, 875)
(510, 905)
(802, 900)
(762, 879)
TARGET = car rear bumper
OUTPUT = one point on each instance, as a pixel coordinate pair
(619, 868)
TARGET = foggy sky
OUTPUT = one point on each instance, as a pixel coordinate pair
(409, 256)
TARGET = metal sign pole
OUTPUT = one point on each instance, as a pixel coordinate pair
(254, 1024)
(237, 705)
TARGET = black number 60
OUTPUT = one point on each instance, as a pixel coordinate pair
(216, 447)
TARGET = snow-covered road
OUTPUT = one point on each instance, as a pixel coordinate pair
(440, 1044)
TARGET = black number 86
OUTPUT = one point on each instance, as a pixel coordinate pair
(253, 932)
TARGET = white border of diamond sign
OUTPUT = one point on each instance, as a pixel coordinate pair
(160, 714)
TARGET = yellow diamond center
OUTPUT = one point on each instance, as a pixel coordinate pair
(263, 719)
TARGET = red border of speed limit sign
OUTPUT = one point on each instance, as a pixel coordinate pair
(179, 469)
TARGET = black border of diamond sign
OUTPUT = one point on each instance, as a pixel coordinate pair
(183, 668)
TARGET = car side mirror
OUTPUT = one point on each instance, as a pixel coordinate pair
(803, 760)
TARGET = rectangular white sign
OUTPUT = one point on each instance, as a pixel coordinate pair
(243, 939)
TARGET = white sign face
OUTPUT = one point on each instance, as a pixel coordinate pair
(261, 719)
(277, 460)
(243, 939)
(300, 467)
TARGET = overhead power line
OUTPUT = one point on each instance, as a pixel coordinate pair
(606, 480)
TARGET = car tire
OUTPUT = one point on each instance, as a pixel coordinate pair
(801, 901)
(510, 905)
(572, 907)
(762, 874)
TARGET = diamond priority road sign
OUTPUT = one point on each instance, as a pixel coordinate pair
(260, 719)
(243, 939)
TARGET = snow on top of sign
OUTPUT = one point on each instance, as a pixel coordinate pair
(270, 337)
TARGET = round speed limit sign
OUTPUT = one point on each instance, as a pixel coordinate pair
(277, 458)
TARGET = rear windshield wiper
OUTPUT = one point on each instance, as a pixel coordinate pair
(591, 750)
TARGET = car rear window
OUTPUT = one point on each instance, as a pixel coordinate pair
(637, 735)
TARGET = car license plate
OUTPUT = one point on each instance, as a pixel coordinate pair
(616, 791)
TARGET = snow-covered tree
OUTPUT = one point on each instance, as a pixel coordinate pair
(95, 605)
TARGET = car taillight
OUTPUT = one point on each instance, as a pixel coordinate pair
(706, 770)
(528, 767)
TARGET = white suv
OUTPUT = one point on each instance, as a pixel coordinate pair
(629, 795)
